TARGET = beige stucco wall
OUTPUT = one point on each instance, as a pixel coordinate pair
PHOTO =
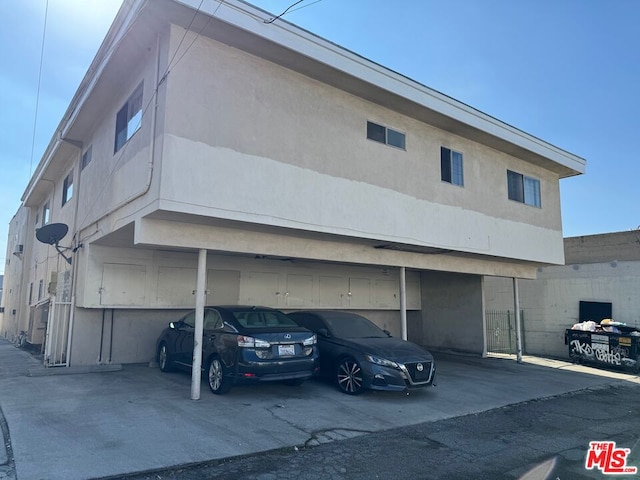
(453, 312)
(304, 161)
(551, 303)
(16, 315)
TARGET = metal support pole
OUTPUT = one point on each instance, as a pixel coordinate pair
(516, 302)
(403, 302)
(196, 367)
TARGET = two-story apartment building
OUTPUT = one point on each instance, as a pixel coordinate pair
(307, 175)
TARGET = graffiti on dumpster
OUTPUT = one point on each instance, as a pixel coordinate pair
(599, 351)
(605, 347)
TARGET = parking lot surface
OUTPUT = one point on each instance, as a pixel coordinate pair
(134, 419)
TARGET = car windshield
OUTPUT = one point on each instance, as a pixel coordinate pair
(353, 326)
(263, 319)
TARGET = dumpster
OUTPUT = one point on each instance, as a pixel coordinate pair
(602, 346)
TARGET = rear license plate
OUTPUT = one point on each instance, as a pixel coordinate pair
(286, 350)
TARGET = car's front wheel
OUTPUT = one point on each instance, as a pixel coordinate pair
(349, 376)
(163, 358)
(218, 383)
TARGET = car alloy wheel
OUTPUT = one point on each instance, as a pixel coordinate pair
(216, 379)
(163, 358)
(350, 377)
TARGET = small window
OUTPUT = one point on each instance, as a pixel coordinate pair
(451, 166)
(46, 213)
(30, 293)
(128, 119)
(67, 188)
(379, 133)
(86, 157)
(40, 289)
(523, 189)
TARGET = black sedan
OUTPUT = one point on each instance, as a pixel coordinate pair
(357, 354)
(241, 345)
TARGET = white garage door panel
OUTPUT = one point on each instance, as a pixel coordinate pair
(359, 292)
(299, 291)
(176, 286)
(386, 294)
(260, 288)
(332, 291)
(223, 287)
(123, 284)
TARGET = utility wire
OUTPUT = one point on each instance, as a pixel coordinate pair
(283, 13)
(35, 119)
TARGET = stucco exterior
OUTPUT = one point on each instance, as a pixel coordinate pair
(252, 145)
(600, 268)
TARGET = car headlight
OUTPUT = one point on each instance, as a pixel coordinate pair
(381, 361)
(312, 340)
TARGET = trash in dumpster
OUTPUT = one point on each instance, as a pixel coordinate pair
(607, 343)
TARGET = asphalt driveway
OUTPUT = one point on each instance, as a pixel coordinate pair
(136, 418)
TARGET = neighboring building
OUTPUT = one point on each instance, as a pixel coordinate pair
(601, 279)
(310, 177)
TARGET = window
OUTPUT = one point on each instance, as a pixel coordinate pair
(128, 119)
(30, 293)
(40, 289)
(86, 157)
(67, 188)
(381, 134)
(46, 211)
(451, 166)
(523, 189)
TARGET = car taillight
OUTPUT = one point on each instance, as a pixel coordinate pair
(312, 340)
(244, 341)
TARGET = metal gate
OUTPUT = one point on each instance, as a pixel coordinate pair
(57, 337)
(501, 331)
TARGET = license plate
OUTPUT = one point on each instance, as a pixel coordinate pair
(286, 350)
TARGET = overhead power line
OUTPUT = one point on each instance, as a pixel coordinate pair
(35, 118)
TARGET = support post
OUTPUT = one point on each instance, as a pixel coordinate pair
(403, 302)
(196, 367)
(516, 302)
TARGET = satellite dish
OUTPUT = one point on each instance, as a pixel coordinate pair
(51, 234)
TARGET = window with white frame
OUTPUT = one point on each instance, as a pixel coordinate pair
(388, 136)
(67, 188)
(128, 119)
(451, 167)
(46, 214)
(86, 157)
(523, 189)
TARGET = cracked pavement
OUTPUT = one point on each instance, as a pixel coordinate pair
(138, 419)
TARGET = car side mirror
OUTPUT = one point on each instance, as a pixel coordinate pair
(172, 325)
(387, 332)
(323, 332)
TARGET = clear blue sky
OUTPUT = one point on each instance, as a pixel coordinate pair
(566, 71)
